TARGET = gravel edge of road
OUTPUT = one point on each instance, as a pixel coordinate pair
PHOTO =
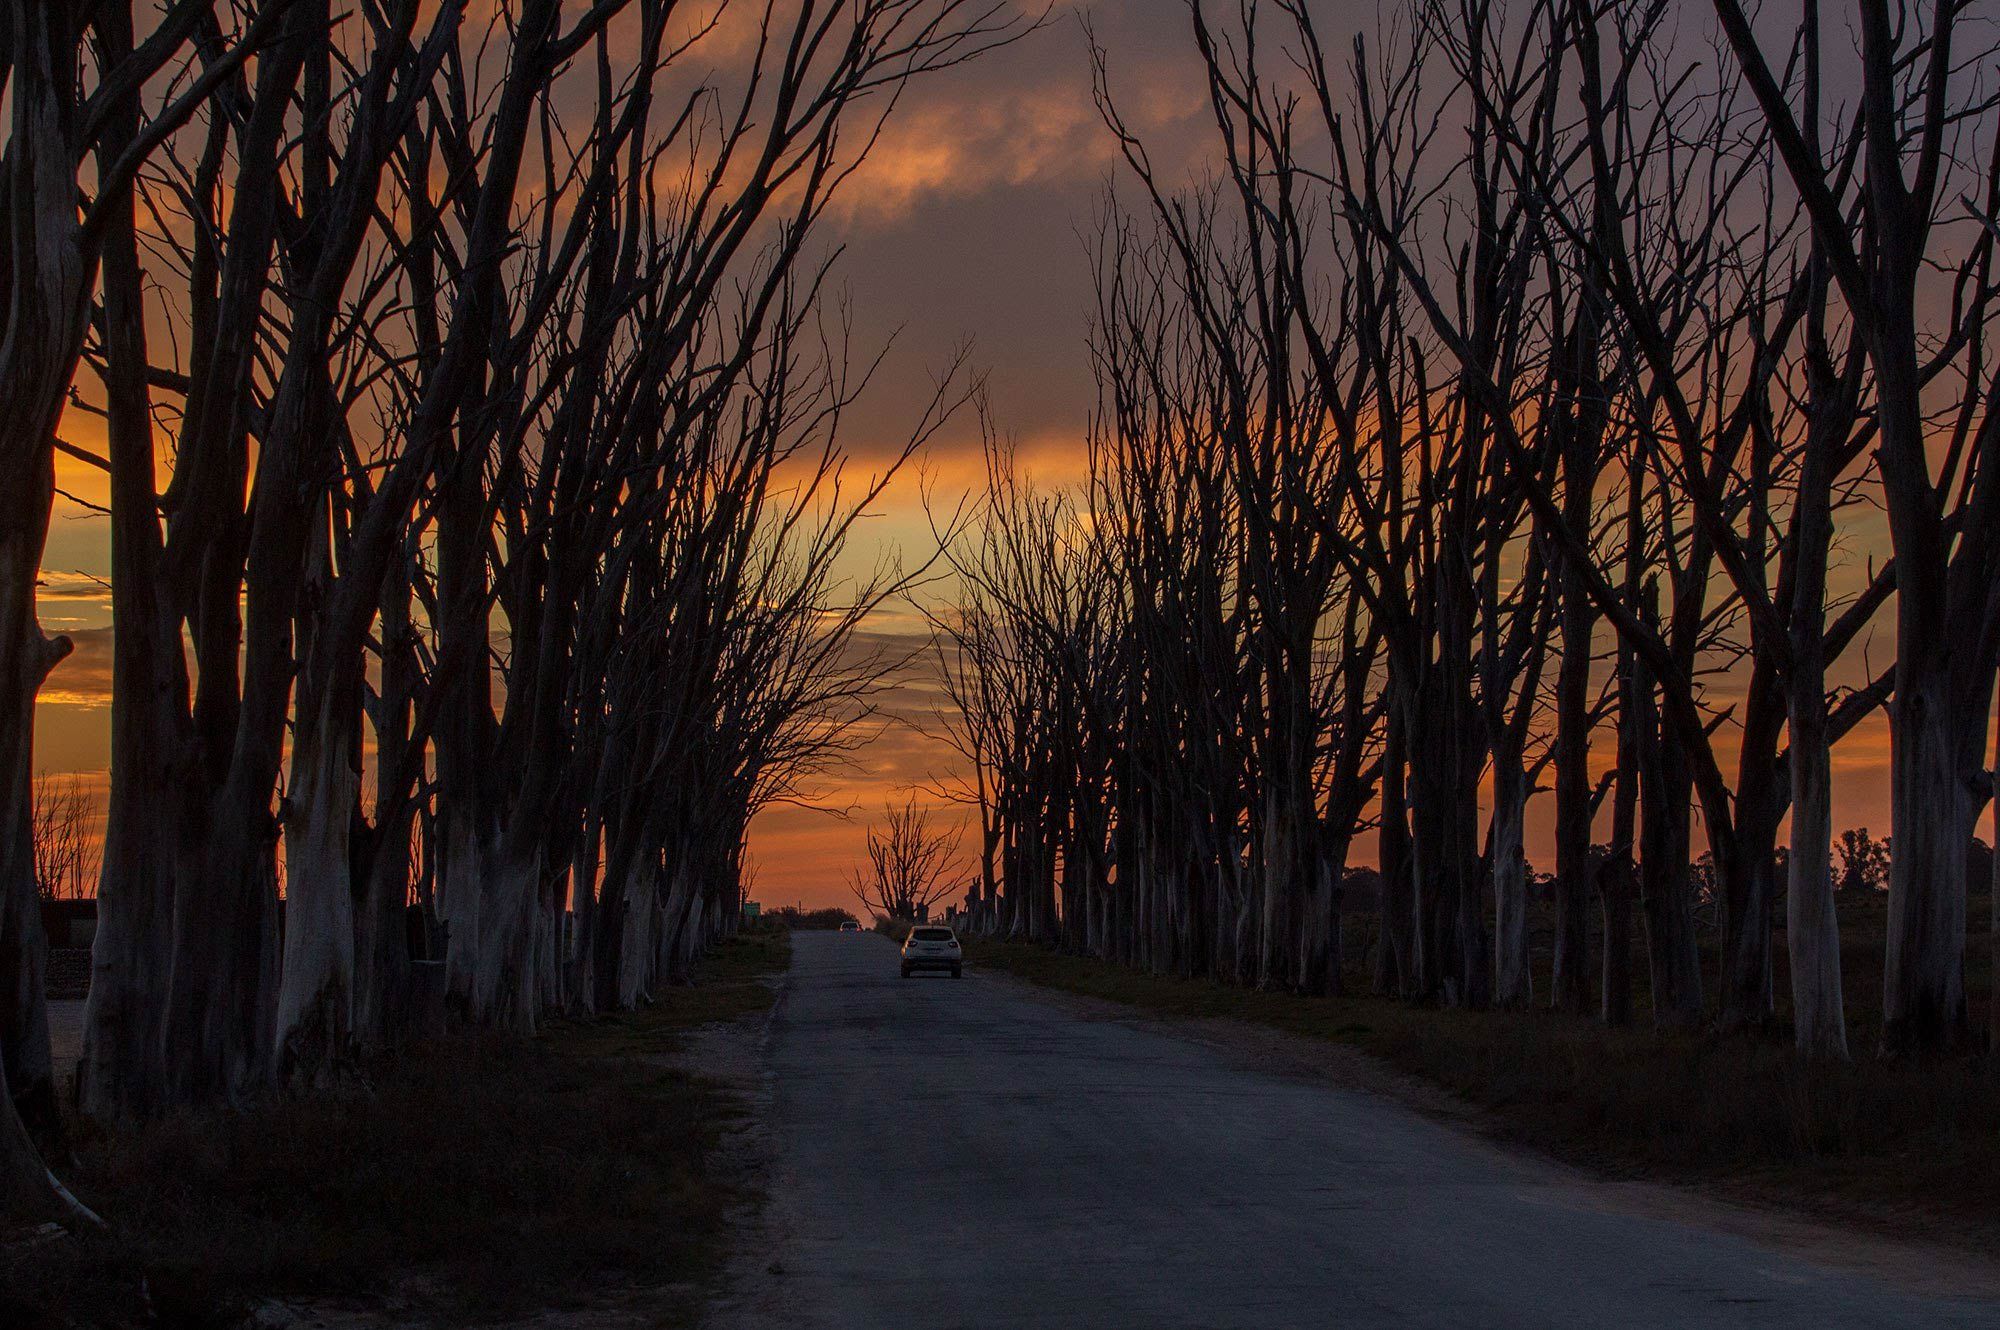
(736, 1054)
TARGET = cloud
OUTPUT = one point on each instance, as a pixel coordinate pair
(974, 141)
(72, 586)
(1025, 117)
(83, 679)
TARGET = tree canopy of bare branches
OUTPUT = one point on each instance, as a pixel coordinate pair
(66, 836)
(912, 864)
(1481, 428)
(474, 405)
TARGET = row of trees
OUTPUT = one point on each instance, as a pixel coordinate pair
(472, 407)
(1494, 421)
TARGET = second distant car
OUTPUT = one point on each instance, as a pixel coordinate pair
(932, 948)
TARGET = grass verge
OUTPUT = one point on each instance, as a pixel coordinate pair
(472, 1179)
(1910, 1147)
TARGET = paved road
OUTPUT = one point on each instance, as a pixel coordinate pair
(967, 1153)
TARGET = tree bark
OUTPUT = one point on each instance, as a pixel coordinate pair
(1747, 876)
(314, 1036)
(1993, 910)
(1616, 874)
(48, 273)
(122, 1074)
(1812, 930)
(1932, 809)
(382, 991)
(1665, 895)
(1513, 984)
(1571, 991)
(1393, 959)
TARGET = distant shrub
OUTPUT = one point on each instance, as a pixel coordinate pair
(807, 921)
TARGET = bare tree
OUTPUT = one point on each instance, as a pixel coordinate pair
(83, 94)
(1911, 194)
(912, 864)
(66, 836)
(510, 354)
(1588, 382)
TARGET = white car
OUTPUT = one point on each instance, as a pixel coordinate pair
(932, 948)
(849, 926)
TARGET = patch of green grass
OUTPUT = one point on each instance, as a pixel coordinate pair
(1906, 1144)
(484, 1177)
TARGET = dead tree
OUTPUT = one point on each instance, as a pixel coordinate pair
(1914, 190)
(435, 422)
(65, 836)
(83, 92)
(912, 864)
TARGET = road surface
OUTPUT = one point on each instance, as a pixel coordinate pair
(970, 1153)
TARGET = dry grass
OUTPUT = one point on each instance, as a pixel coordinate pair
(474, 1178)
(1908, 1146)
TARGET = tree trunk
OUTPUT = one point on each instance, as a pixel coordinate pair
(1615, 875)
(465, 859)
(640, 911)
(1459, 757)
(223, 988)
(1748, 876)
(381, 937)
(678, 923)
(1572, 962)
(49, 276)
(1320, 958)
(1393, 967)
(1932, 809)
(1812, 931)
(1513, 984)
(581, 961)
(1289, 865)
(1673, 956)
(1993, 911)
(314, 1036)
(25, 660)
(381, 921)
(507, 980)
(1615, 888)
(26, 1189)
(122, 1075)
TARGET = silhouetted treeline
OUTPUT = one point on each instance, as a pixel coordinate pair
(472, 410)
(1509, 416)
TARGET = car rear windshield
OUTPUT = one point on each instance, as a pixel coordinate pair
(931, 934)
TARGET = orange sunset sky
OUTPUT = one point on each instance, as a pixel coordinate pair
(963, 230)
